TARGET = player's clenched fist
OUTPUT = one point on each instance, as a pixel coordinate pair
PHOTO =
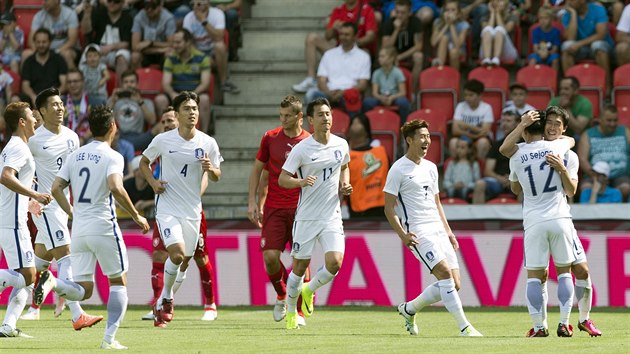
(308, 181)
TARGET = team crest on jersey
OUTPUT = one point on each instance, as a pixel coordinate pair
(29, 256)
(156, 242)
(201, 243)
(296, 247)
(263, 242)
(338, 155)
(71, 145)
(167, 233)
(59, 235)
(430, 256)
(199, 153)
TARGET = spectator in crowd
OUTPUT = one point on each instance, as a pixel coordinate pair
(579, 107)
(179, 9)
(126, 150)
(43, 69)
(622, 50)
(449, 36)
(388, 86)
(95, 75)
(600, 191)
(425, 11)
(11, 42)
(187, 69)
(368, 170)
(518, 99)
(476, 11)
(608, 142)
(231, 10)
(473, 118)
(586, 35)
(110, 27)
(151, 34)
(497, 167)
(77, 6)
(404, 32)
(546, 41)
(140, 193)
(343, 72)
(78, 106)
(63, 25)
(351, 11)
(5, 90)
(496, 43)
(207, 26)
(462, 172)
(133, 113)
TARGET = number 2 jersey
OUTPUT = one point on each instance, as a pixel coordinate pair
(311, 158)
(87, 170)
(180, 167)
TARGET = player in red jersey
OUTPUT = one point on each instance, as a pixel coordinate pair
(276, 218)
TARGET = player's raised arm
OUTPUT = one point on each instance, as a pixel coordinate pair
(57, 192)
(509, 147)
(115, 185)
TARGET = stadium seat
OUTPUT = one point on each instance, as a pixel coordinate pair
(111, 83)
(621, 86)
(592, 83)
(453, 201)
(341, 122)
(211, 88)
(496, 81)
(624, 115)
(439, 89)
(503, 199)
(437, 126)
(385, 126)
(409, 83)
(24, 18)
(149, 82)
(16, 86)
(541, 84)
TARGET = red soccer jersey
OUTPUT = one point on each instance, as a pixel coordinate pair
(274, 149)
(367, 21)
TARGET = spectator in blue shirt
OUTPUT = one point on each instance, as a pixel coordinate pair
(546, 41)
(600, 192)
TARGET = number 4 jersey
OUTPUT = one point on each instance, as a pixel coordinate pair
(180, 167)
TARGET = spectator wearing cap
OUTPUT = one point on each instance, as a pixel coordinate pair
(607, 142)
(140, 193)
(151, 34)
(600, 192)
(11, 42)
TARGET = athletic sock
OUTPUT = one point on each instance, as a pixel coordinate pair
(565, 296)
(279, 281)
(75, 309)
(321, 278)
(179, 279)
(429, 296)
(70, 290)
(9, 277)
(170, 273)
(294, 288)
(64, 273)
(534, 302)
(584, 295)
(17, 302)
(205, 273)
(116, 308)
(545, 294)
(452, 302)
(41, 264)
(33, 304)
(157, 279)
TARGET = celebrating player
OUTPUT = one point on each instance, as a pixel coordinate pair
(322, 162)
(412, 199)
(186, 156)
(18, 169)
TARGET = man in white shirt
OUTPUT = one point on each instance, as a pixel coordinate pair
(18, 169)
(321, 164)
(412, 199)
(473, 118)
(186, 157)
(95, 173)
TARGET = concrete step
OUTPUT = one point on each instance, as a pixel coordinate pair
(235, 111)
(243, 132)
(258, 67)
(294, 24)
(262, 88)
(223, 199)
(234, 178)
(225, 212)
(293, 8)
(239, 153)
(273, 45)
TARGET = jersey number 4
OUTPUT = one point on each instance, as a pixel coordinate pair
(548, 187)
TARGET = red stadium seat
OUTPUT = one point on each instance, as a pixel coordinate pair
(621, 86)
(24, 18)
(437, 126)
(541, 84)
(592, 83)
(409, 83)
(503, 199)
(16, 86)
(385, 126)
(439, 89)
(111, 83)
(341, 122)
(496, 81)
(149, 82)
(453, 201)
(624, 115)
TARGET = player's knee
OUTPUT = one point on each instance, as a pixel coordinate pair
(159, 256)
(545, 276)
(580, 270)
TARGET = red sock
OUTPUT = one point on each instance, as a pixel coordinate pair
(279, 281)
(157, 280)
(205, 273)
(33, 305)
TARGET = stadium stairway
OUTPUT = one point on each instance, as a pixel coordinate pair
(271, 60)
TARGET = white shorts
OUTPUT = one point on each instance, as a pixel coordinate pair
(110, 252)
(52, 228)
(433, 247)
(306, 232)
(179, 230)
(17, 248)
(556, 237)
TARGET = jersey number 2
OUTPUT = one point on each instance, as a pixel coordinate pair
(547, 187)
(82, 198)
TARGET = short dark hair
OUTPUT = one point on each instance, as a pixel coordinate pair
(575, 83)
(351, 25)
(403, 3)
(188, 37)
(409, 128)
(536, 128)
(475, 86)
(320, 101)
(610, 108)
(365, 122)
(293, 102)
(45, 31)
(558, 111)
(42, 98)
(100, 118)
(75, 71)
(168, 109)
(13, 113)
(183, 97)
(129, 72)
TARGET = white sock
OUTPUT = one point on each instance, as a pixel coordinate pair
(321, 278)
(294, 288)
(565, 296)
(181, 276)
(429, 296)
(9, 277)
(17, 302)
(170, 274)
(584, 295)
(534, 296)
(544, 304)
(451, 301)
(64, 272)
(70, 290)
(41, 264)
(75, 309)
(116, 308)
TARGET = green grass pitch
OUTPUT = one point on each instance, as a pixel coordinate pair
(348, 329)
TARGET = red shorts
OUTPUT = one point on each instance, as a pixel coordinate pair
(277, 228)
(200, 251)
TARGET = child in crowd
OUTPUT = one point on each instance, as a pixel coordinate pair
(11, 42)
(449, 35)
(546, 40)
(496, 43)
(95, 75)
(473, 118)
(517, 103)
(462, 172)
(388, 85)
(601, 192)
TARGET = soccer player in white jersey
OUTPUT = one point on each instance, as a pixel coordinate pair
(412, 199)
(321, 164)
(556, 123)
(186, 155)
(16, 178)
(50, 146)
(95, 172)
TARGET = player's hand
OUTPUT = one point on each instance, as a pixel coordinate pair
(34, 207)
(43, 198)
(529, 118)
(255, 215)
(409, 239)
(453, 240)
(206, 165)
(346, 189)
(308, 181)
(142, 222)
(159, 186)
(556, 162)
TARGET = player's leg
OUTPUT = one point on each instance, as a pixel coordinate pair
(545, 294)
(536, 248)
(450, 298)
(205, 274)
(42, 263)
(561, 243)
(33, 311)
(158, 258)
(584, 296)
(565, 298)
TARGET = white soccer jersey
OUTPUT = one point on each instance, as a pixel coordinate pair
(310, 158)
(87, 170)
(13, 206)
(180, 166)
(415, 185)
(542, 187)
(50, 152)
